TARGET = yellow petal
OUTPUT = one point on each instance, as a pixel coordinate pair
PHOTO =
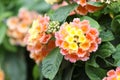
(69, 39)
(73, 46)
(82, 38)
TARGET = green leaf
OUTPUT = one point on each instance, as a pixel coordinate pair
(15, 66)
(116, 56)
(51, 63)
(92, 61)
(97, 4)
(68, 73)
(93, 23)
(94, 73)
(105, 50)
(107, 36)
(62, 13)
(2, 33)
(115, 25)
(2, 56)
(9, 46)
(5, 15)
(36, 72)
(113, 7)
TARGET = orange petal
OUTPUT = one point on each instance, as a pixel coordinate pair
(65, 45)
(85, 45)
(58, 42)
(64, 52)
(81, 53)
(90, 37)
(45, 38)
(93, 47)
(92, 8)
(85, 28)
(110, 73)
(94, 32)
(83, 2)
(81, 10)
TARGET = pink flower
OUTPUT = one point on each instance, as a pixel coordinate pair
(77, 40)
(113, 74)
(19, 25)
(38, 41)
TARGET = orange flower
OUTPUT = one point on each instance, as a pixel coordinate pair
(77, 40)
(113, 74)
(19, 25)
(38, 40)
(84, 7)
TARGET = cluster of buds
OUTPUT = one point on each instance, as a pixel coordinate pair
(19, 25)
(84, 7)
(77, 40)
(38, 41)
(53, 27)
(107, 1)
(113, 74)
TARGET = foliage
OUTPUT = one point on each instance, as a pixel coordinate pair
(14, 59)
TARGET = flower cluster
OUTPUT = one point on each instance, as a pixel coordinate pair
(113, 74)
(19, 25)
(77, 40)
(38, 41)
(84, 7)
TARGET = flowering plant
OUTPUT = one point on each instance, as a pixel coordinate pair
(60, 40)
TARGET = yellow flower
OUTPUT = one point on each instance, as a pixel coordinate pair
(73, 46)
(72, 32)
(82, 38)
(69, 39)
(34, 31)
(79, 32)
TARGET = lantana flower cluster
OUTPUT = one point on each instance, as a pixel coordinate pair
(113, 74)
(19, 25)
(77, 40)
(38, 41)
(84, 7)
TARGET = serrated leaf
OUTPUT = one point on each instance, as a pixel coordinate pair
(51, 63)
(93, 23)
(2, 33)
(116, 56)
(105, 50)
(107, 36)
(115, 25)
(94, 73)
(62, 13)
